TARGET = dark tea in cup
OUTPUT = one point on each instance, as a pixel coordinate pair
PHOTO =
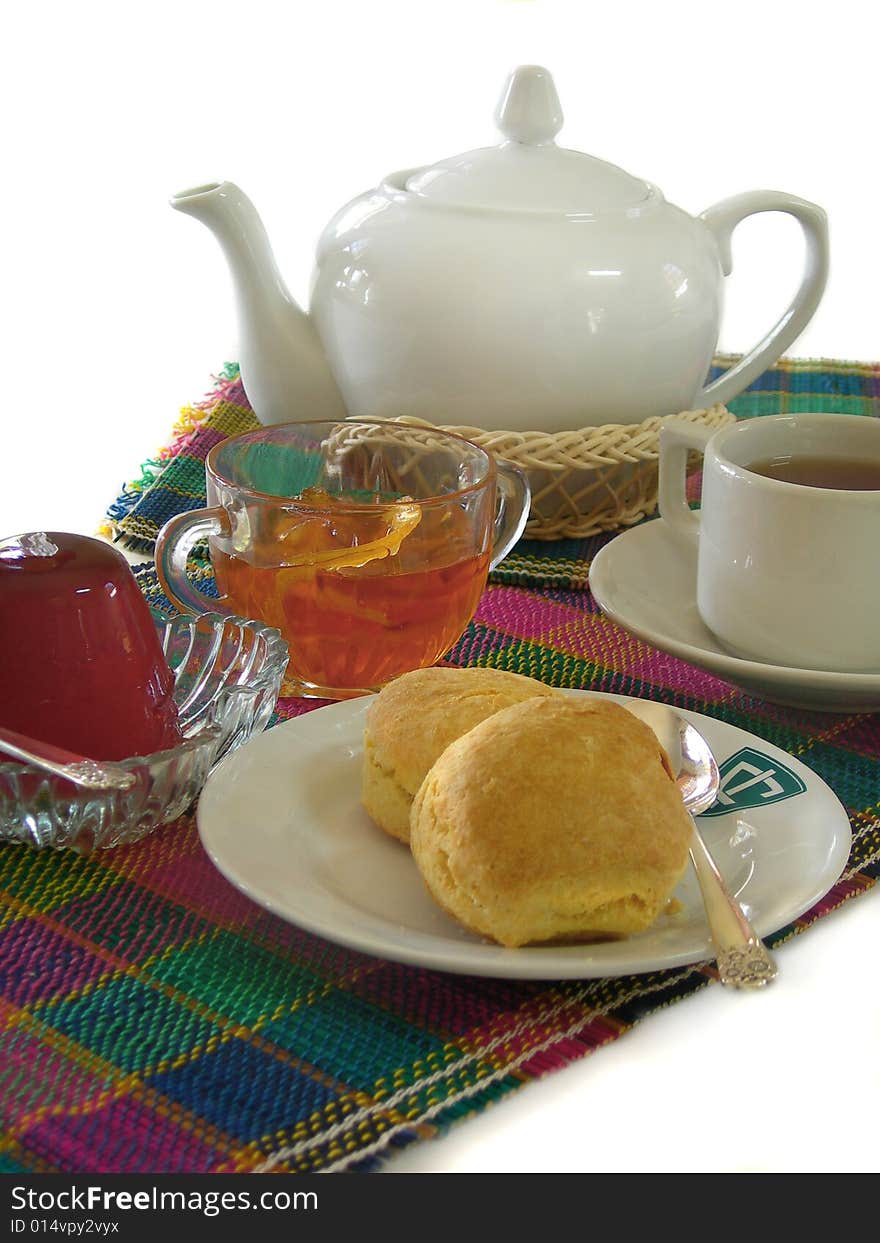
(848, 474)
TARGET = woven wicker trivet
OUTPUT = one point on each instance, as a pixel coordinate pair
(590, 480)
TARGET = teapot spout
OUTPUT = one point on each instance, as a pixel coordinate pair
(284, 369)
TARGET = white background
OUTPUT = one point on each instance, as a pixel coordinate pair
(117, 310)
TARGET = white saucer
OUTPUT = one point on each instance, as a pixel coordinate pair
(645, 580)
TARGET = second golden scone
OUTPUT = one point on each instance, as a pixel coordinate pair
(414, 719)
(554, 820)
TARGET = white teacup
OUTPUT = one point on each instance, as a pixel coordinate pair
(787, 573)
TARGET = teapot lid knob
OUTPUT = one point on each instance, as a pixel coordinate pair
(529, 110)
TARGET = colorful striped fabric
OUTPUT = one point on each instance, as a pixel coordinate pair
(154, 1020)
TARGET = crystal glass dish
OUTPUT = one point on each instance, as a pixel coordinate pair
(227, 675)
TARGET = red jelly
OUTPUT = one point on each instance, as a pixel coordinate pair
(81, 665)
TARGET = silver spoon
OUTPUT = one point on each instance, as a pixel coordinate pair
(76, 768)
(743, 959)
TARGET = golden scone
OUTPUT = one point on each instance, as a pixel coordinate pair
(415, 718)
(553, 820)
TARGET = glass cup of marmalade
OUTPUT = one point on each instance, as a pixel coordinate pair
(367, 543)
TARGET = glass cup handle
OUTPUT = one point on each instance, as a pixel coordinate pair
(174, 543)
(679, 437)
(513, 499)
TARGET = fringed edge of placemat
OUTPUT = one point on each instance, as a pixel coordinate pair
(603, 1023)
(189, 421)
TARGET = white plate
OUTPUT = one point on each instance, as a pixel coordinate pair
(645, 580)
(282, 820)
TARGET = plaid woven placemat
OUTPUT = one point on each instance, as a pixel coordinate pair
(154, 1020)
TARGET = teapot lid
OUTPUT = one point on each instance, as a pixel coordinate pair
(527, 171)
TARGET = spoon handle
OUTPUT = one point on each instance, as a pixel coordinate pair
(743, 960)
(51, 759)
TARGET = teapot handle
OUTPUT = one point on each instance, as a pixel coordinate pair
(721, 219)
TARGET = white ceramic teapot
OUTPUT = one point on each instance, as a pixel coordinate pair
(523, 287)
